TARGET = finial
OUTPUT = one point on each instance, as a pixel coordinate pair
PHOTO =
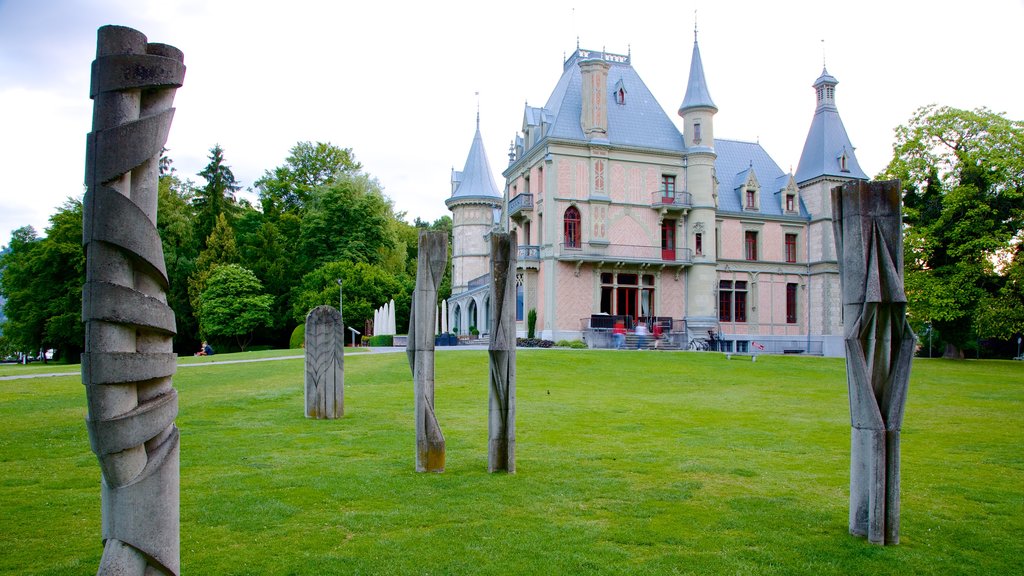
(694, 25)
(477, 93)
(823, 53)
(629, 50)
(577, 37)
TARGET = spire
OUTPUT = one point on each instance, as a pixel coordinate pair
(697, 95)
(476, 179)
(827, 149)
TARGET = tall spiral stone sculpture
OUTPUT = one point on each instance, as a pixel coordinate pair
(129, 360)
(430, 264)
(501, 416)
(879, 349)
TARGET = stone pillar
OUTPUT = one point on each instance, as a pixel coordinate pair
(325, 363)
(879, 349)
(129, 359)
(501, 418)
(430, 265)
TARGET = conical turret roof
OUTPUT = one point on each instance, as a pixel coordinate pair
(697, 95)
(476, 179)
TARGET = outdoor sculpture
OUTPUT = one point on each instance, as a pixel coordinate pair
(501, 422)
(879, 349)
(430, 267)
(325, 363)
(129, 359)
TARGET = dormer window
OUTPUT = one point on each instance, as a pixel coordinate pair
(790, 202)
(620, 93)
(751, 199)
(843, 162)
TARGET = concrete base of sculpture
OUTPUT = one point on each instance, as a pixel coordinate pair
(325, 364)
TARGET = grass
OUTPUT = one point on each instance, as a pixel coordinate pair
(628, 463)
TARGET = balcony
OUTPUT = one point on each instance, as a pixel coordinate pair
(528, 256)
(624, 254)
(668, 200)
(521, 203)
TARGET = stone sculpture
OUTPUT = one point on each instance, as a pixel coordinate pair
(879, 349)
(325, 363)
(501, 421)
(129, 359)
(430, 267)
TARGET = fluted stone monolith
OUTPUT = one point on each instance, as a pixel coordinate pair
(501, 416)
(430, 267)
(325, 364)
(129, 359)
(879, 349)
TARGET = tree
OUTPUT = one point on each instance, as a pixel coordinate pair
(963, 177)
(220, 249)
(233, 305)
(349, 219)
(42, 283)
(174, 223)
(217, 196)
(366, 288)
(309, 166)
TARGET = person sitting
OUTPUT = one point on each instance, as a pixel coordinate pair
(205, 350)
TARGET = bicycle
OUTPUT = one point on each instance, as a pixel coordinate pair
(698, 344)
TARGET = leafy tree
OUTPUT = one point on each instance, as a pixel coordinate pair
(366, 288)
(264, 246)
(233, 305)
(217, 196)
(309, 166)
(349, 219)
(174, 223)
(963, 178)
(42, 283)
(220, 249)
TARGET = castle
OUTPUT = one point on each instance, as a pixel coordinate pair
(620, 216)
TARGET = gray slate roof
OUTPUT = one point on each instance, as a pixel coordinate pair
(735, 160)
(641, 121)
(697, 95)
(826, 142)
(476, 180)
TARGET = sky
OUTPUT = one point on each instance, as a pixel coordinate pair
(400, 82)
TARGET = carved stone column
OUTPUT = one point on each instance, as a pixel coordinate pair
(325, 364)
(129, 359)
(430, 265)
(501, 422)
(879, 349)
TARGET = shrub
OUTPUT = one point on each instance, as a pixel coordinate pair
(474, 331)
(382, 340)
(533, 343)
(577, 344)
(298, 339)
(531, 323)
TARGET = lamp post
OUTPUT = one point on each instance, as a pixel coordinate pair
(1018, 346)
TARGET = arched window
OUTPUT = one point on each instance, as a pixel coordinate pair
(572, 228)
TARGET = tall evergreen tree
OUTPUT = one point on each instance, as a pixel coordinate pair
(217, 196)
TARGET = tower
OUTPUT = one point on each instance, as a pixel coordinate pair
(474, 200)
(827, 161)
(698, 113)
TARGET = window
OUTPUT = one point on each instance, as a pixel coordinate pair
(620, 96)
(732, 301)
(696, 132)
(520, 297)
(572, 228)
(791, 303)
(790, 202)
(540, 180)
(698, 244)
(750, 243)
(627, 294)
(751, 199)
(668, 185)
(790, 248)
(668, 239)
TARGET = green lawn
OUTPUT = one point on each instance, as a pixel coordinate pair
(628, 463)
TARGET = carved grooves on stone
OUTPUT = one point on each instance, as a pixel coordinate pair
(501, 417)
(430, 266)
(879, 349)
(325, 363)
(129, 360)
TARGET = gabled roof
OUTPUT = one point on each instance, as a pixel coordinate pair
(476, 180)
(736, 160)
(641, 121)
(697, 95)
(827, 141)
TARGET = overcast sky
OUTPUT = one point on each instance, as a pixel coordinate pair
(396, 81)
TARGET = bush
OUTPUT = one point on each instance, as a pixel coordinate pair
(382, 340)
(298, 339)
(531, 323)
(533, 343)
(474, 331)
(575, 344)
